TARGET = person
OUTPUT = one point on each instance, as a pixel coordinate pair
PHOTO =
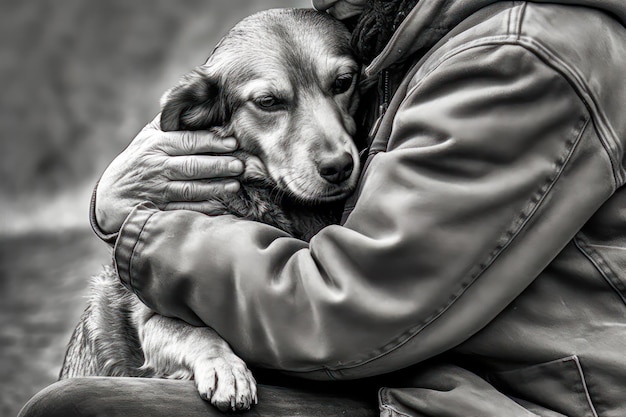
(483, 252)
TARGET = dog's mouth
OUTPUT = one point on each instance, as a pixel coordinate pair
(314, 190)
(307, 189)
(323, 198)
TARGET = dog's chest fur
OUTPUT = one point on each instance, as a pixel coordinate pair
(266, 205)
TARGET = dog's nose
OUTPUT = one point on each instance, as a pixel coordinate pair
(336, 169)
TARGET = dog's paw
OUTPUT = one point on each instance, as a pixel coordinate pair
(226, 383)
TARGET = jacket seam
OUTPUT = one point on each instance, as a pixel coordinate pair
(599, 264)
(383, 401)
(508, 21)
(135, 250)
(583, 383)
(520, 20)
(518, 224)
(574, 79)
(571, 363)
(603, 127)
(391, 411)
(515, 16)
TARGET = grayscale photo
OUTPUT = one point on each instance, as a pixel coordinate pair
(278, 208)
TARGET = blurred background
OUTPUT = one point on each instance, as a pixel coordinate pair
(78, 78)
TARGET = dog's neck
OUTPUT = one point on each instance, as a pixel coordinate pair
(260, 202)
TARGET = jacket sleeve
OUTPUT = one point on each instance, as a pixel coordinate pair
(491, 168)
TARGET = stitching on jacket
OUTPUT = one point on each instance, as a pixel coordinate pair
(391, 412)
(606, 134)
(605, 130)
(330, 375)
(508, 21)
(583, 384)
(520, 20)
(514, 18)
(600, 265)
(508, 236)
(384, 407)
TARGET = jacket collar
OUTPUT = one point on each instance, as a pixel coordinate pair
(430, 20)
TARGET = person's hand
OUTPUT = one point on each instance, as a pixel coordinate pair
(340, 9)
(174, 170)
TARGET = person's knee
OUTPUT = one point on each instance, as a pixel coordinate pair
(62, 398)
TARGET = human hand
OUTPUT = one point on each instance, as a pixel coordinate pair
(340, 9)
(174, 170)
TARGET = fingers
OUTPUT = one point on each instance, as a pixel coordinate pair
(187, 142)
(183, 191)
(210, 208)
(198, 167)
(195, 142)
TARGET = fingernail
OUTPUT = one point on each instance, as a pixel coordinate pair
(230, 143)
(235, 166)
(232, 187)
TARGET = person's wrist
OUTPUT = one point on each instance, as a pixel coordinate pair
(129, 234)
(109, 218)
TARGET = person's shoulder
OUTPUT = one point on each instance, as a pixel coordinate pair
(578, 36)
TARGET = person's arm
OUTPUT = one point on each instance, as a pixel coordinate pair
(493, 165)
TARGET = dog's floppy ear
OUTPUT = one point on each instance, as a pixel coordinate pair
(194, 104)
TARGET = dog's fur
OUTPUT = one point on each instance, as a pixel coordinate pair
(283, 82)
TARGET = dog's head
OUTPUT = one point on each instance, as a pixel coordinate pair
(283, 82)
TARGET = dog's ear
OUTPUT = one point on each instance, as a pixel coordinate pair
(194, 104)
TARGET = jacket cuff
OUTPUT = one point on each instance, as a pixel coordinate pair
(129, 237)
(106, 237)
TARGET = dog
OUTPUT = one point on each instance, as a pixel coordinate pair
(284, 83)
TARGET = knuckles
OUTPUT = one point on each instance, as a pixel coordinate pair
(187, 142)
(187, 192)
(189, 168)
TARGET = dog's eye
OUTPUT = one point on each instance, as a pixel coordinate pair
(343, 83)
(267, 102)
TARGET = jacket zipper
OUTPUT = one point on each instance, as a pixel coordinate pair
(385, 94)
(384, 88)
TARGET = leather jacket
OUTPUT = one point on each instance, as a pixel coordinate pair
(490, 221)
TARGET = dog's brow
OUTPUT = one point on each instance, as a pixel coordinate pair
(253, 88)
(337, 66)
(343, 64)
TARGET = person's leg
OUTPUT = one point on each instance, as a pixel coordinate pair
(447, 390)
(142, 397)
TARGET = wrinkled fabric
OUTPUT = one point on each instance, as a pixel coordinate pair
(433, 19)
(490, 221)
(446, 390)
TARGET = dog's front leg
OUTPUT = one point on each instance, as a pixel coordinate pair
(175, 349)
